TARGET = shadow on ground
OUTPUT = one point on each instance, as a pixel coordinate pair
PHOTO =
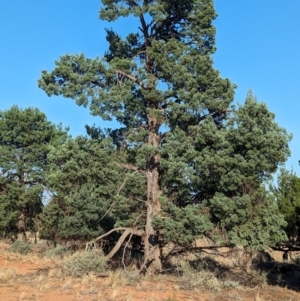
(265, 271)
(282, 274)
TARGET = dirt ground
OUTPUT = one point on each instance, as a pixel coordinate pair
(29, 277)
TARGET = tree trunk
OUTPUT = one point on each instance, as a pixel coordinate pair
(152, 259)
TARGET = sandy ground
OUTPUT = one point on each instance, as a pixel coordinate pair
(32, 278)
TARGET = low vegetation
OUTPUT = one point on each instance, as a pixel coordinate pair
(20, 247)
(82, 263)
(198, 278)
(59, 251)
(89, 274)
(7, 274)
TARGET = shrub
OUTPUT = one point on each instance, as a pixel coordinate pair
(20, 247)
(82, 263)
(57, 252)
(198, 278)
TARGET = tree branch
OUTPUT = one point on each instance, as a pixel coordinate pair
(130, 167)
(127, 230)
(119, 190)
(125, 247)
(122, 239)
(197, 249)
(132, 78)
(286, 248)
(90, 243)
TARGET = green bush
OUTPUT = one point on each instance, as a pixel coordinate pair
(59, 251)
(82, 263)
(20, 247)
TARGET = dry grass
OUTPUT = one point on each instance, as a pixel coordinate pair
(121, 278)
(195, 284)
(67, 284)
(7, 274)
(30, 258)
(257, 297)
(172, 298)
(3, 247)
(153, 297)
(192, 278)
(23, 295)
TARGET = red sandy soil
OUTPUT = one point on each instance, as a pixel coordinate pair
(38, 279)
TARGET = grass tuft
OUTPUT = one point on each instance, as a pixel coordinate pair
(7, 274)
(120, 278)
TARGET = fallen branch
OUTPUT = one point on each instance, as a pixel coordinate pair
(129, 240)
(121, 240)
(116, 248)
(123, 257)
(91, 243)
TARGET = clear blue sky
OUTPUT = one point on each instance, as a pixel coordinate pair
(258, 45)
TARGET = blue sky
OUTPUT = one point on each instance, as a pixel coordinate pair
(257, 40)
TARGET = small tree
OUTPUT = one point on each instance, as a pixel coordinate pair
(160, 84)
(287, 195)
(25, 139)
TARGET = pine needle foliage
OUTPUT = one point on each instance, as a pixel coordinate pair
(203, 160)
(25, 140)
(287, 196)
(91, 194)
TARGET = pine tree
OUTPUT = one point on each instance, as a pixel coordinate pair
(160, 84)
(223, 171)
(91, 194)
(25, 137)
(287, 195)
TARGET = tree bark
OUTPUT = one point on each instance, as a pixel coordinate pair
(152, 258)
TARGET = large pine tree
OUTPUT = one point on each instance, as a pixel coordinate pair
(178, 129)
